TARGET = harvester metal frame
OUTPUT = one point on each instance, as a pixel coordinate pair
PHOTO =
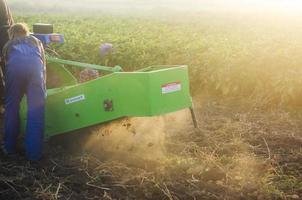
(151, 91)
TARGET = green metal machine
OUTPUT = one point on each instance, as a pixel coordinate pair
(152, 91)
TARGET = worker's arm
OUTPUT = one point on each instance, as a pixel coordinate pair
(43, 59)
(5, 51)
(5, 14)
(6, 20)
(42, 51)
(40, 46)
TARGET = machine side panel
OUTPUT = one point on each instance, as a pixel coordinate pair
(83, 105)
(113, 96)
(169, 90)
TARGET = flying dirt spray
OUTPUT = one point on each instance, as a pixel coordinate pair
(139, 138)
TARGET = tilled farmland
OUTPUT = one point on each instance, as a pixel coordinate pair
(237, 153)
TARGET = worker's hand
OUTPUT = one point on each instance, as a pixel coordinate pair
(2, 109)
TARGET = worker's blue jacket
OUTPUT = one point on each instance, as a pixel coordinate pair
(25, 75)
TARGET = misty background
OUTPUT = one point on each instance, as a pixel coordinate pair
(134, 7)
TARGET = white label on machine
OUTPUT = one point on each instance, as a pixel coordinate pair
(171, 87)
(75, 99)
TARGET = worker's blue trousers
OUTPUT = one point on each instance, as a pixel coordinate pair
(25, 76)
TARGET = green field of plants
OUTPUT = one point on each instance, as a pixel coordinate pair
(257, 57)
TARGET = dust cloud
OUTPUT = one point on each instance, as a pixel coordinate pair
(138, 138)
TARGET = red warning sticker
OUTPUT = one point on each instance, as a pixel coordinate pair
(171, 87)
(55, 38)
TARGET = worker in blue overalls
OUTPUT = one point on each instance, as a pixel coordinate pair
(24, 75)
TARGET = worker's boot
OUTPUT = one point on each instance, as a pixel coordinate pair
(6, 154)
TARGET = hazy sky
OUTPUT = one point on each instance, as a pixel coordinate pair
(193, 5)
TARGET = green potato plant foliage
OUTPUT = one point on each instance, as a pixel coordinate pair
(226, 56)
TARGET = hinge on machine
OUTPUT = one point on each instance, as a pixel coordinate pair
(108, 105)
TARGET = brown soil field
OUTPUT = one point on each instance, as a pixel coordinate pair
(239, 152)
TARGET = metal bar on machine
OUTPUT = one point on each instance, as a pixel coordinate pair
(84, 65)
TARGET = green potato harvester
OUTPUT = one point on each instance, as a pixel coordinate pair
(70, 105)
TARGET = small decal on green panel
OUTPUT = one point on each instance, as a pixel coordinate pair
(75, 99)
(171, 87)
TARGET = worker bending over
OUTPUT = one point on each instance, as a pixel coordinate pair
(24, 75)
